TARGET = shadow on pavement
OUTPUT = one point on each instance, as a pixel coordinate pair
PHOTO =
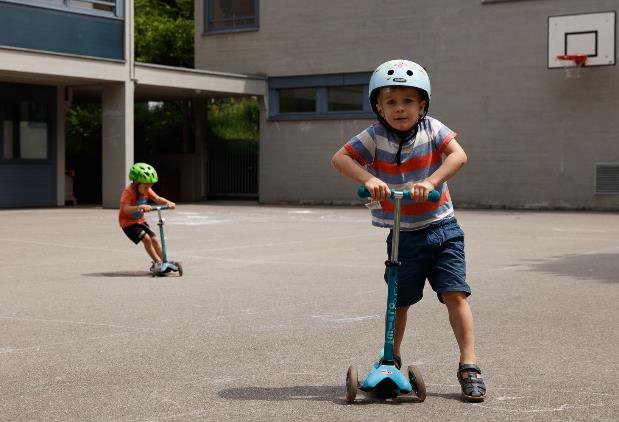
(334, 394)
(449, 396)
(599, 267)
(306, 392)
(120, 274)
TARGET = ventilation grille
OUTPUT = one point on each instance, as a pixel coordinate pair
(607, 178)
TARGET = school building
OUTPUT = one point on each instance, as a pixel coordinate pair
(53, 52)
(537, 135)
(534, 137)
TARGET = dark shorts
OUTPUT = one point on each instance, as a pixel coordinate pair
(435, 253)
(136, 232)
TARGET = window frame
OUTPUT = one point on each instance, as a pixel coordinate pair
(118, 12)
(321, 83)
(207, 12)
(30, 94)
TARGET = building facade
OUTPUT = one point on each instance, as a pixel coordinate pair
(535, 138)
(52, 51)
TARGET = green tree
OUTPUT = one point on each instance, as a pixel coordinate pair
(233, 118)
(83, 151)
(161, 128)
(164, 32)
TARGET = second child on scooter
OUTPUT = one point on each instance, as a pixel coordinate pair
(133, 205)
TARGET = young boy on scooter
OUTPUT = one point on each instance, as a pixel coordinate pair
(133, 205)
(407, 149)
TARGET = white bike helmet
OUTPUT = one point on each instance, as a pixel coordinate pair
(400, 73)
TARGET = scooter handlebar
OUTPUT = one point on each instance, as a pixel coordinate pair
(433, 196)
(158, 207)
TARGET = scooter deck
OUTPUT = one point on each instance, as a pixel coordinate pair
(166, 268)
(387, 374)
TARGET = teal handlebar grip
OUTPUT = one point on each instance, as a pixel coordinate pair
(433, 196)
(363, 192)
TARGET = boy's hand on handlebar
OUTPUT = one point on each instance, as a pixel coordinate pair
(420, 191)
(378, 189)
(144, 208)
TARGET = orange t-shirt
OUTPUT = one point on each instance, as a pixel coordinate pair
(131, 196)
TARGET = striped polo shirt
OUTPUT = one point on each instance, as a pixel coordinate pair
(375, 148)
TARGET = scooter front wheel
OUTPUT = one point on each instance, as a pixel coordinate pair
(351, 384)
(414, 376)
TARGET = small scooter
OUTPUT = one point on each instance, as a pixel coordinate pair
(385, 380)
(166, 266)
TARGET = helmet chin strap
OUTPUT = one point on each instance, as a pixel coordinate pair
(404, 136)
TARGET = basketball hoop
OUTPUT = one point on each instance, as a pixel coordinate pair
(572, 63)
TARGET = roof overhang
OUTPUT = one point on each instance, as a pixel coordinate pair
(86, 76)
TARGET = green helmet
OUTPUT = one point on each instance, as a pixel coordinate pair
(143, 173)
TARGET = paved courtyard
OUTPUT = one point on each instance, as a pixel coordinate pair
(277, 301)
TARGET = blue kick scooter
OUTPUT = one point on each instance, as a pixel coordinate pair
(166, 267)
(385, 380)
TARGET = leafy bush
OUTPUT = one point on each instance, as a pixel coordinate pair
(233, 118)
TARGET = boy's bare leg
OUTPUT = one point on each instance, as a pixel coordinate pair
(400, 327)
(157, 247)
(461, 320)
(150, 248)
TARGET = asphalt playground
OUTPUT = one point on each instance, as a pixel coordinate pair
(277, 301)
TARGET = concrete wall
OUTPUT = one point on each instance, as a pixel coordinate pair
(532, 135)
(116, 140)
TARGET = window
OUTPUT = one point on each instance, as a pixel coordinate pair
(24, 130)
(297, 100)
(339, 96)
(112, 8)
(346, 98)
(230, 15)
(105, 5)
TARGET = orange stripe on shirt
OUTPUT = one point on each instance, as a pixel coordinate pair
(416, 163)
(450, 137)
(354, 154)
(417, 208)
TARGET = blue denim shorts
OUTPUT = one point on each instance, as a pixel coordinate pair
(435, 253)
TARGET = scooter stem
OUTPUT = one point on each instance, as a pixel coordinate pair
(393, 264)
(392, 280)
(395, 240)
(160, 224)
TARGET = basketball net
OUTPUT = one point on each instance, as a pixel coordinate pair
(572, 63)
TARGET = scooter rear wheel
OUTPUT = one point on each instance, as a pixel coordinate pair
(180, 269)
(414, 376)
(351, 384)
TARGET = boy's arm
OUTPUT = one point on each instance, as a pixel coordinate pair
(454, 161)
(160, 200)
(343, 162)
(131, 209)
(126, 206)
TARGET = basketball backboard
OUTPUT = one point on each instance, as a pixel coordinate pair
(592, 34)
